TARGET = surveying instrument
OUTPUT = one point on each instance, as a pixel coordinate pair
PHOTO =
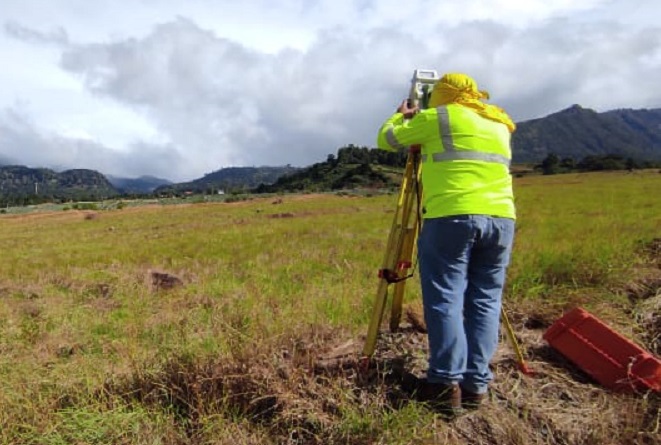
(397, 264)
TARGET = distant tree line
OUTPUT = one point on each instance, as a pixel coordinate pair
(19, 200)
(554, 164)
(350, 168)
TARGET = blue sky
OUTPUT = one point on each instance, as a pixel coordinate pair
(178, 89)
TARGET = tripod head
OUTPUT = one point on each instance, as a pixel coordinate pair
(422, 84)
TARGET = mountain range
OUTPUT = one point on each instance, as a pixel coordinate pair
(228, 179)
(574, 133)
(577, 132)
(143, 184)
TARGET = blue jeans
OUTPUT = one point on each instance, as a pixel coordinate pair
(463, 261)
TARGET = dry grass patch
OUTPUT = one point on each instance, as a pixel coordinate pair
(280, 394)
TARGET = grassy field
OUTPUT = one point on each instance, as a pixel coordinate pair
(97, 348)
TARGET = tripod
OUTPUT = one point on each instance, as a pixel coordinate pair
(397, 261)
(406, 224)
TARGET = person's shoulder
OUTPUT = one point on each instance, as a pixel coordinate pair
(427, 114)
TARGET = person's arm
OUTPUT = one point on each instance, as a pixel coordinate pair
(398, 133)
(385, 138)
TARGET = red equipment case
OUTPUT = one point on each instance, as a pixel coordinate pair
(610, 359)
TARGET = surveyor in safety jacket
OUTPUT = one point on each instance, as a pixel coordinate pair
(466, 239)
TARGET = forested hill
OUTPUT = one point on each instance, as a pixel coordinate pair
(353, 167)
(579, 132)
(22, 185)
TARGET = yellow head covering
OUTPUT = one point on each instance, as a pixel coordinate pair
(457, 88)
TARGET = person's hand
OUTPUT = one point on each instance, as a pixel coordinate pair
(407, 110)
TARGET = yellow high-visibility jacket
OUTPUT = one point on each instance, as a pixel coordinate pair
(465, 160)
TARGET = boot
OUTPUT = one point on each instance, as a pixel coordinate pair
(471, 400)
(444, 398)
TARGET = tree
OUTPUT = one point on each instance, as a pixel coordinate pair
(550, 165)
(568, 164)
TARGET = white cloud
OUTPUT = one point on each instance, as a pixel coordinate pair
(56, 36)
(39, 149)
(157, 87)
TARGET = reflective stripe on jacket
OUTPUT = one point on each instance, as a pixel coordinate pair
(465, 160)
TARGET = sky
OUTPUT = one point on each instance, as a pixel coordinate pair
(180, 88)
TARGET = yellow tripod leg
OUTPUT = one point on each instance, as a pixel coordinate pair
(515, 345)
(400, 242)
(410, 235)
(413, 195)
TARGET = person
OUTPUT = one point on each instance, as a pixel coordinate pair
(466, 239)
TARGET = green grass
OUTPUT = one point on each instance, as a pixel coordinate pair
(581, 230)
(83, 331)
